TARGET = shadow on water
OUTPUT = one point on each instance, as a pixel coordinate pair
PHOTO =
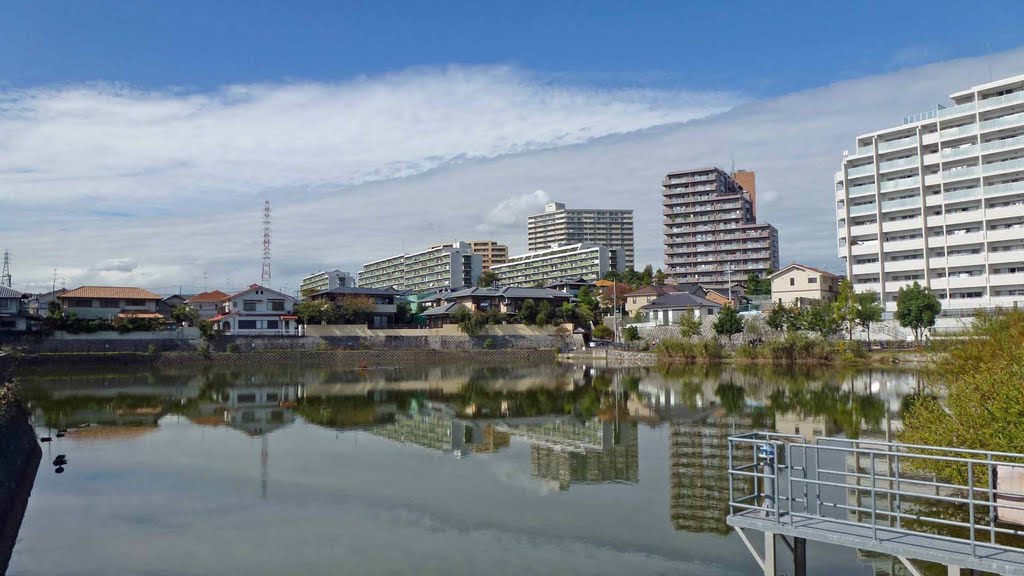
(581, 423)
(21, 456)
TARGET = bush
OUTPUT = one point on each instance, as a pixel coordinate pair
(488, 343)
(232, 348)
(151, 349)
(323, 346)
(630, 334)
(602, 332)
(690, 352)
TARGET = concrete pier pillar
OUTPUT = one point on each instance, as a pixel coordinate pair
(769, 554)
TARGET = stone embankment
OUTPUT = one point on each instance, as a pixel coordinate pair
(19, 460)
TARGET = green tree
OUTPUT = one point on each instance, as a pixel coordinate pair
(869, 311)
(317, 312)
(846, 306)
(185, 314)
(543, 314)
(660, 278)
(689, 324)
(602, 332)
(460, 314)
(729, 323)
(487, 279)
(403, 312)
(782, 317)
(757, 286)
(978, 401)
(357, 309)
(589, 302)
(528, 312)
(821, 318)
(647, 276)
(917, 308)
(630, 334)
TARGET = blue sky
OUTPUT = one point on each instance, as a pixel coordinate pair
(143, 137)
(758, 48)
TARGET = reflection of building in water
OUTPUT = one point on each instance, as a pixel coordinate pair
(492, 440)
(253, 409)
(617, 459)
(699, 472)
(810, 427)
(435, 427)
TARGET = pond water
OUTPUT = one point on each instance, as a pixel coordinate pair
(445, 470)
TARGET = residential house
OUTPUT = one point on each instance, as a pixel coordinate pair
(641, 297)
(257, 311)
(167, 305)
(13, 315)
(207, 304)
(39, 304)
(570, 285)
(385, 300)
(668, 309)
(509, 300)
(800, 285)
(109, 302)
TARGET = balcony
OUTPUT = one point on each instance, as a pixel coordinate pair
(960, 173)
(904, 265)
(862, 190)
(1004, 189)
(899, 164)
(1006, 279)
(961, 282)
(937, 262)
(862, 209)
(965, 194)
(965, 260)
(901, 204)
(963, 217)
(1006, 256)
(1005, 144)
(968, 130)
(1005, 234)
(895, 285)
(907, 142)
(903, 224)
(864, 229)
(1004, 122)
(965, 238)
(954, 111)
(1016, 211)
(869, 268)
(864, 248)
(858, 171)
(1005, 166)
(961, 152)
(900, 183)
(863, 150)
(999, 101)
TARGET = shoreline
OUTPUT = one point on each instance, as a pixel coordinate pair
(21, 457)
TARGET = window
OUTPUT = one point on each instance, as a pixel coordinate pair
(135, 303)
(109, 303)
(273, 324)
(273, 397)
(80, 303)
(277, 305)
(792, 281)
(710, 311)
(812, 280)
(247, 398)
(249, 305)
(5, 304)
(246, 324)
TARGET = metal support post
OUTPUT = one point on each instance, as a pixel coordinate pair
(769, 554)
(799, 557)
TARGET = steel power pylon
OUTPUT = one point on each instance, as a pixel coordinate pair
(5, 276)
(265, 279)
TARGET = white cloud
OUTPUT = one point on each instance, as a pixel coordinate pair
(375, 167)
(116, 265)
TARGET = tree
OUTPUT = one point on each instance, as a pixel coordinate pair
(689, 324)
(528, 311)
(543, 314)
(821, 317)
(660, 278)
(185, 314)
(729, 322)
(590, 303)
(630, 334)
(782, 317)
(978, 403)
(317, 312)
(460, 314)
(487, 279)
(846, 306)
(647, 276)
(357, 309)
(869, 310)
(602, 332)
(757, 286)
(917, 308)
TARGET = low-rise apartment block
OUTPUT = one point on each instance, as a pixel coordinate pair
(441, 266)
(326, 280)
(711, 235)
(558, 225)
(939, 200)
(587, 261)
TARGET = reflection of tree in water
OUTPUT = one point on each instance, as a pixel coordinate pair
(846, 411)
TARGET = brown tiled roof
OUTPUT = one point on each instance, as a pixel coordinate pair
(112, 292)
(211, 296)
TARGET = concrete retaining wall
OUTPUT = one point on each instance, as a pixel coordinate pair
(19, 460)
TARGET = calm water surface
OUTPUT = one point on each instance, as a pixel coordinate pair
(548, 470)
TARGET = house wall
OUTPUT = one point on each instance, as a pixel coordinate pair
(797, 283)
(671, 316)
(206, 310)
(261, 300)
(105, 307)
(634, 303)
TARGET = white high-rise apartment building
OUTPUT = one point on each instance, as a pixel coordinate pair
(558, 226)
(939, 200)
(588, 261)
(326, 280)
(451, 266)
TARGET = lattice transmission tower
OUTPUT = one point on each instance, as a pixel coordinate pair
(5, 276)
(265, 280)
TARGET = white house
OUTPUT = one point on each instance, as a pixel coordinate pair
(668, 309)
(13, 316)
(208, 304)
(257, 311)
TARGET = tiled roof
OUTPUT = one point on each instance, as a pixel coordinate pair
(6, 292)
(113, 292)
(805, 267)
(211, 296)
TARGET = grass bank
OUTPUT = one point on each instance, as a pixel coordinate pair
(793, 348)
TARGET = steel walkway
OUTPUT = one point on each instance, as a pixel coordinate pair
(872, 496)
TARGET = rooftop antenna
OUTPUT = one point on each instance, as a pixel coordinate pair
(5, 276)
(265, 280)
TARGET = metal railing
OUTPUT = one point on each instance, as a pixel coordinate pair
(782, 479)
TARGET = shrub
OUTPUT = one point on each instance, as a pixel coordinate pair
(489, 343)
(602, 332)
(709, 350)
(232, 348)
(323, 346)
(151, 349)
(747, 352)
(630, 334)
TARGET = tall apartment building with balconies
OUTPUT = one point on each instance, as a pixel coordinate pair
(326, 280)
(491, 253)
(939, 200)
(557, 226)
(451, 266)
(588, 261)
(711, 235)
